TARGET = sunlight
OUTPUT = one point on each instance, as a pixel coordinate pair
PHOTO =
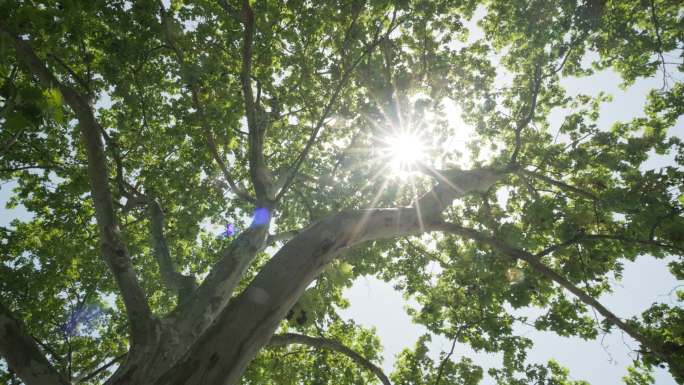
(404, 152)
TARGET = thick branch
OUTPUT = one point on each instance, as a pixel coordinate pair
(326, 343)
(251, 318)
(452, 184)
(192, 317)
(23, 355)
(183, 285)
(113, 248)
(537, 264)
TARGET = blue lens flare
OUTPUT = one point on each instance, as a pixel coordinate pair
(261, 217)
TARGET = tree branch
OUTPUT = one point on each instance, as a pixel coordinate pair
(327, 343)
(580, 237)
(537, 265)
(292, 173)
(116, 254)
(183, 285)
(23, 355)
(196, 103)
(280, 237)
(525, 121)
(251, 318)
(101, 369)
(559, 184)
(259, 173)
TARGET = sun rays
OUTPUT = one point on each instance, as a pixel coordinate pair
(410, 139)
(404, 151)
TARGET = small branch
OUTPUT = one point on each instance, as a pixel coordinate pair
(194, 90)
(327, 343)
(183, 285)
(537, 265)
(581, 236)
(290, 176)
(656, 26)
(101, 369)
(559, 184)
(525, 121)
(444, 361)
(71, 72)
(280, 237)
(232, 12)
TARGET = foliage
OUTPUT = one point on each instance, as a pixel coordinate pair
(345, 75)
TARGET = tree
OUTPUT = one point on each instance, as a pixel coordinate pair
(130, 127)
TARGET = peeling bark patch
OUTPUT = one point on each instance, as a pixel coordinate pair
(258, 295)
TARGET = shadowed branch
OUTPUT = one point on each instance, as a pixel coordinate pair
(327, 343)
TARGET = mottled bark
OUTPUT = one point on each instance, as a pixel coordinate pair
(251, 318)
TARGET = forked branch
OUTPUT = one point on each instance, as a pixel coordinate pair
(291, 174)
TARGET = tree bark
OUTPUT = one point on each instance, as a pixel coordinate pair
(246, 325)
(23, 355)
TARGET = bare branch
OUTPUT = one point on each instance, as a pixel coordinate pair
(101, 369)
(327, 343)
(562, 185)
(113, 248)
(23, 355)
